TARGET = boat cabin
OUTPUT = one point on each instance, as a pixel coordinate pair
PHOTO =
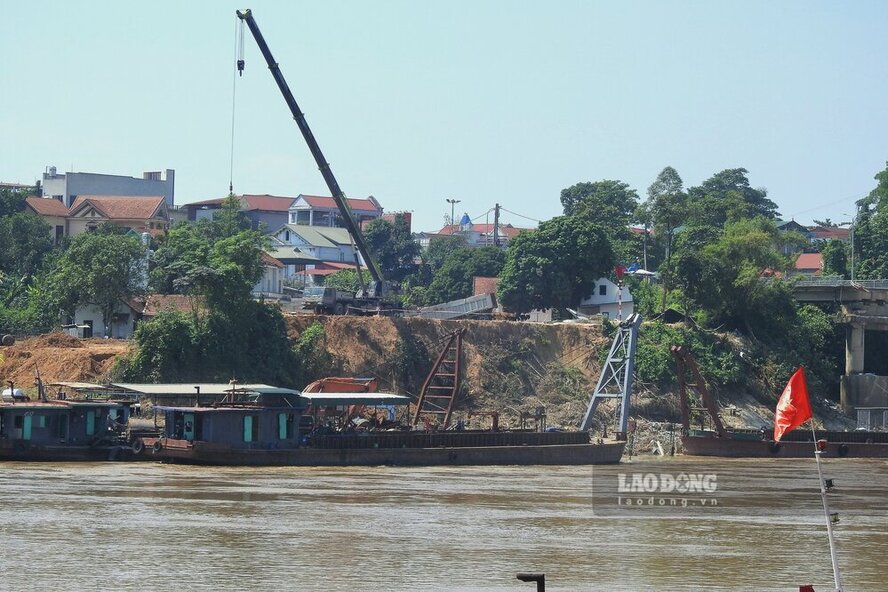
(235, 426)
(269, 419)
(82, 423)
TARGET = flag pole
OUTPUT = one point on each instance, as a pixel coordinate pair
(837, 574)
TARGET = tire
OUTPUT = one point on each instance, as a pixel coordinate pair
(157, 446)
(843, 450)
(7, 340)
(339, 308)
(138, 446)
(774, 447)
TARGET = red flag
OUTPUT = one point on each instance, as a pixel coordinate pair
(793, 407)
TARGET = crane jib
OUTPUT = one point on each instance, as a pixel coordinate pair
(326, 172)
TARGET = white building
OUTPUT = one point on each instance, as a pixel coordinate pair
(314, 210)
(608, 300)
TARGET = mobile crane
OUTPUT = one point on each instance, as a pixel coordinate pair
(369, 297)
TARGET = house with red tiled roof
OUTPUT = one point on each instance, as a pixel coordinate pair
(316, 210)
(264, 211)
(53, 213)
(828, 233)
(139, 214)
(271, 284)
(478, 235)
(808, 264)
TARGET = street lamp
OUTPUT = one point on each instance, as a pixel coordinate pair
(853, 223)
(452, 203)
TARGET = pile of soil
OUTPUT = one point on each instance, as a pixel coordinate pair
(60, 357)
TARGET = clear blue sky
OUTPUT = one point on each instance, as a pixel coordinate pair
(483, 101)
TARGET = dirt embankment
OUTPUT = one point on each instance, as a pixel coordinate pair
(59, 357)
(507, 366)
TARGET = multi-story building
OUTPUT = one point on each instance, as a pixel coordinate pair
(66, 187)
(314, 210)
(268, 212)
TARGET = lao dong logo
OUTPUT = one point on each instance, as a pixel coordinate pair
(666, 483)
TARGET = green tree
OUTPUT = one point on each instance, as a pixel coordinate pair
(835, 258)
(555, 266)
(440, 247)
(207, 261)
(24, 243)
(727, 196)
(721, 273)
(608, 203)
(13, 202)
(100, 269)
(668, 205)
(392, 247)
(871, 232)
(454, 279)
(344, 279)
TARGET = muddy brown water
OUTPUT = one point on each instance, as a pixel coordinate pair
(164, 527)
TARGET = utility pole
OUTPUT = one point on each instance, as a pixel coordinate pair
(496, 210)
(452, 203)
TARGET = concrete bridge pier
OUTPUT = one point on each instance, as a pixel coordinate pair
(854, 350)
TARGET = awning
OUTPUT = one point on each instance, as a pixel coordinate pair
(337, 399)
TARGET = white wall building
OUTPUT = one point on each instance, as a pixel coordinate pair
(608, 300)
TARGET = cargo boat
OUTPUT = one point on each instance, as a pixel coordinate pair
(62, 430)
(289, 429)
(720, 440)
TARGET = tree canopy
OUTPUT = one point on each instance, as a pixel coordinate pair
(392, 246)
(556, 266)
(454, 279)
(727, 197)
(871, 231)
(100, 268)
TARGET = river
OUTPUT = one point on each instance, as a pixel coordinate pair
(165, 527)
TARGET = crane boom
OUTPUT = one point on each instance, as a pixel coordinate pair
(348, 217)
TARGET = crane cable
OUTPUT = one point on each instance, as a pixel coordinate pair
(239, 57)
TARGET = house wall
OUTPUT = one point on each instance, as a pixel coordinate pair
(271, 281)
(598, 303)
(121, 327)
(70, 185)
(266, 221)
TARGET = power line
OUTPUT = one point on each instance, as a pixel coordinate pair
(521, 215)
(832, 203)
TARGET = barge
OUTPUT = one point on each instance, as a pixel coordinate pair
(297, 430)
(61, 430)
(719, 440)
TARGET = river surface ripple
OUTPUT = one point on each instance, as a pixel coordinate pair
(147, 526)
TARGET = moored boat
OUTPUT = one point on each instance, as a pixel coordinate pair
(298, 430)
(62, 430)
(720, 440)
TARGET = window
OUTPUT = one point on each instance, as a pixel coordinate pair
(41, 421)
(90, 422)
(251, 428)
(303, 217)
(602, 290)
(286, 425)
(292, 217)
